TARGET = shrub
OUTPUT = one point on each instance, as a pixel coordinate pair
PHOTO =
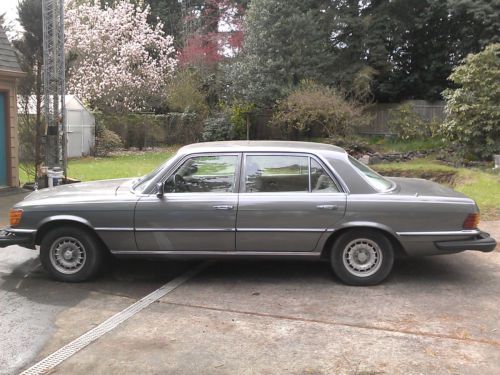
(314, 106)
(239, 112)
(106, 141)
(218, 128)
(185, 94)
(407, 123)
(149, 130)
(473, 108)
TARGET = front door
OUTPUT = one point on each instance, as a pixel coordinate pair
(287, 202)
(3, 142)
(197, 211)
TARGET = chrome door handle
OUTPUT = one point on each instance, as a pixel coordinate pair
(224, 207)
(327, 206)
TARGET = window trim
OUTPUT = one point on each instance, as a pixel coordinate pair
(242, 187)
(367, 180)
(167, 174)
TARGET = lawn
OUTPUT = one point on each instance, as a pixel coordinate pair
(129, 164)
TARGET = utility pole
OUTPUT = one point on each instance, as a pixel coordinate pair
(54, 84)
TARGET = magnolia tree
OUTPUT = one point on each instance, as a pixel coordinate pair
(117, 60)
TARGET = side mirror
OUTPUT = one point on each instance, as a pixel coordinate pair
(160, 189)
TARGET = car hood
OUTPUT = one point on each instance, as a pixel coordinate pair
(420, 187)
(81, 189)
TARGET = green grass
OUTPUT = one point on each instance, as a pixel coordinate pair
(127, 165)
(481, 186)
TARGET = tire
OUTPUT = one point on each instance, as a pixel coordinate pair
(71, 254)
(362, 257)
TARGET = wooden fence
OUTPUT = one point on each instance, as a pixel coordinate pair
(381, 112)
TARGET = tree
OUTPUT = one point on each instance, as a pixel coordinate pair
(473, 108)
(30, 53)
(285, 42)
(411, 46)
(117, 60)
(215, 32)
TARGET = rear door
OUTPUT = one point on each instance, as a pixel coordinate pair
(287, 202)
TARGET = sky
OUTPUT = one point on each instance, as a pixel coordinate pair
(9, 7)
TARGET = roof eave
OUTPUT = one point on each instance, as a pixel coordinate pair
(12, 73)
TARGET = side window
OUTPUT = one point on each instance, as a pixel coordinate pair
(204, 174)
(276, 173)
(320, 180)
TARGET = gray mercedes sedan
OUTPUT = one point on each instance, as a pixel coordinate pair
(249, 199)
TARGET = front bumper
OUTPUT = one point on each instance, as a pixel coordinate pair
(482, 242)
(8, 238)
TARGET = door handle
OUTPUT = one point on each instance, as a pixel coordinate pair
(224, 207)
(327, 206)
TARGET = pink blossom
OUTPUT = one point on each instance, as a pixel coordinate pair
(122, 62)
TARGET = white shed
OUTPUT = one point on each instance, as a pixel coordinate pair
(81, 128)
(80, 125)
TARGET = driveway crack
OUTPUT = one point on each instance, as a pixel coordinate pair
(342, 324)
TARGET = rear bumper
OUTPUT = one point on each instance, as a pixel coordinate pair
(482, 242)
(8, 238)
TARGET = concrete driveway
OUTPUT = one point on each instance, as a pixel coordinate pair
(433, 315)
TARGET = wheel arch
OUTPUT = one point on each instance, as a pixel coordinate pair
(385, 230)
(52, 222)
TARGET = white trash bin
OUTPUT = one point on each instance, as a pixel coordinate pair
(54, 176)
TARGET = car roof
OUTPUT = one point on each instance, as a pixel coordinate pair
(263, 146)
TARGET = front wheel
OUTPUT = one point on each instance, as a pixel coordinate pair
(362, 257)
(70, 254)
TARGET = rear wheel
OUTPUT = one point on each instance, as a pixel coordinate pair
(362, 257)
(71, 254)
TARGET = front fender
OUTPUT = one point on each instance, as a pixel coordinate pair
(73, 218)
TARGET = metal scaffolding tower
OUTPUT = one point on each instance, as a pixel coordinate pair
(54, 83)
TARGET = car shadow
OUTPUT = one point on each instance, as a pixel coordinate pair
(130, 278)
(134, 278)
(454, 269)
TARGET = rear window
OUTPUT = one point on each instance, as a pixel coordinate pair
(378, 182)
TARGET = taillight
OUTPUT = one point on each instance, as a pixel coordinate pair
(15, 215)
(472, 221)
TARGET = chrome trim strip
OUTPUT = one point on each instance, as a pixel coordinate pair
(110, 229)
(315, 230)
(442, 233)
(13, 230)
(185, 230)
(231, 253)
(298, 230)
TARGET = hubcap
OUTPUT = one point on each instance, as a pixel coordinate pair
(67, 255)
(362, 257)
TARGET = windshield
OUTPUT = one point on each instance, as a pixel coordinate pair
(374, 179)
(144, 181)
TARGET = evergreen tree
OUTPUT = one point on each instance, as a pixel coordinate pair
(285, 42)
(30, 54)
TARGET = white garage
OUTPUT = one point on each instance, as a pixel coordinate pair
(80, 125)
